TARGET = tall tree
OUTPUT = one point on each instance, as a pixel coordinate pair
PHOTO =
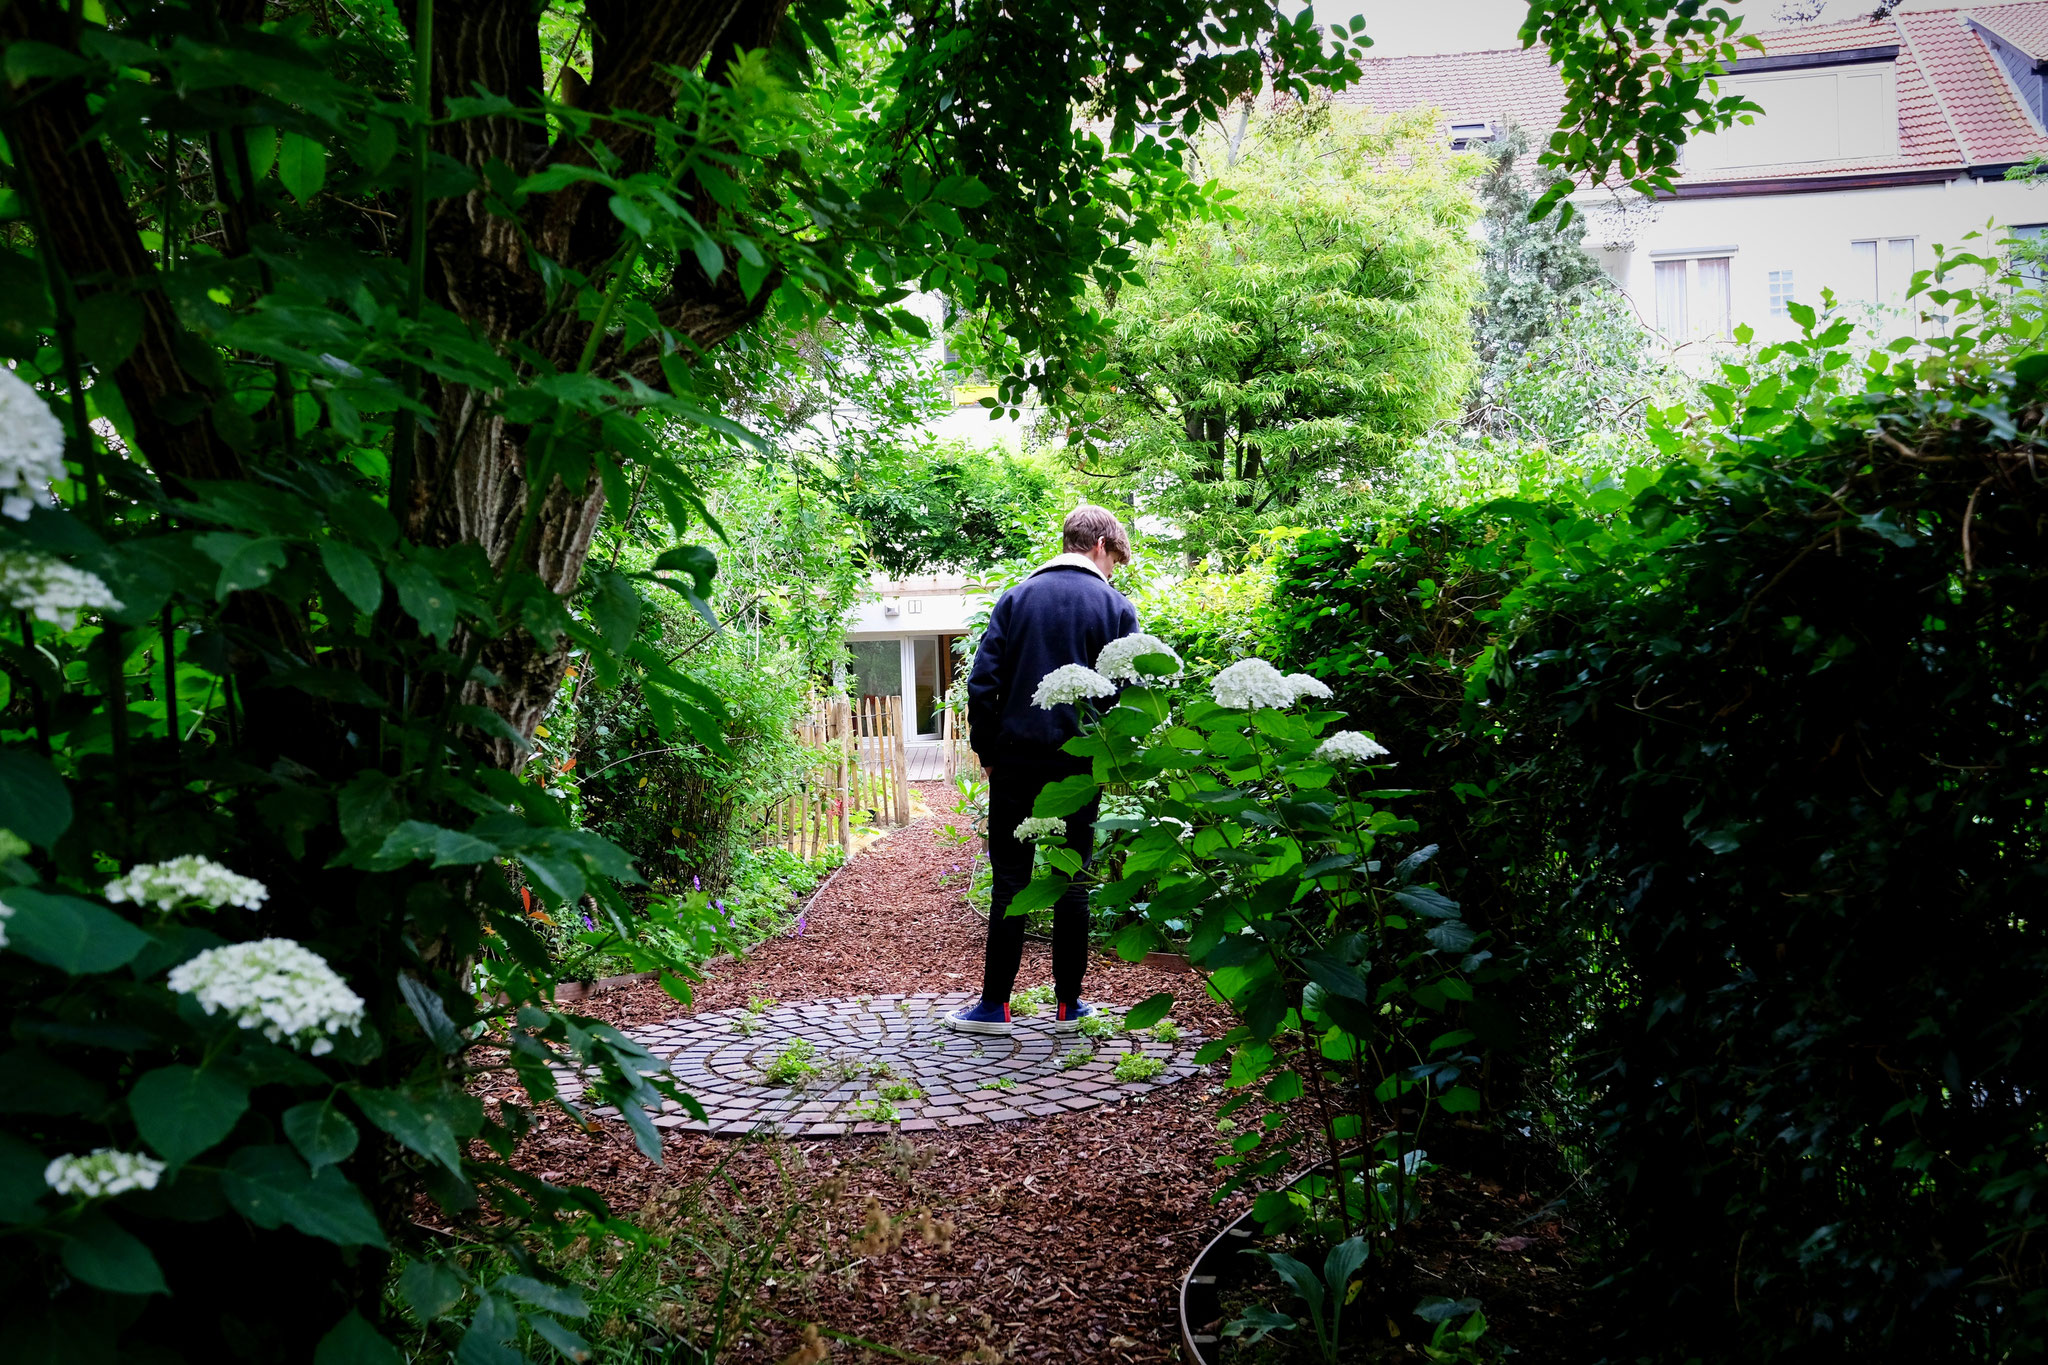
(1295, 341)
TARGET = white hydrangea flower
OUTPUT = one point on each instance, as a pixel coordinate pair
(31, 446)
(1350, 746)
(1041, 827)
(5, 911)
(1118, 660)
(189, 880)
(1071, 683)
(1305, 686)
(106, 1172)
(1251, 683)
(49, 589)
(276, 985)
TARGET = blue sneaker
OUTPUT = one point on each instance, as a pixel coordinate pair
(978, 1016)
(1067, 1018)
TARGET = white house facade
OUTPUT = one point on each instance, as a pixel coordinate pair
(1879, 139)
(902, 645)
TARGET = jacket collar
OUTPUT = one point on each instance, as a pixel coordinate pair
(1070, 561)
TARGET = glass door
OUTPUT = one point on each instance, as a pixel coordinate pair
(926, 679)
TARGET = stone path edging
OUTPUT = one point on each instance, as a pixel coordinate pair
(867, 1044)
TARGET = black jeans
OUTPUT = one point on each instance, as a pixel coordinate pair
(1011, 790)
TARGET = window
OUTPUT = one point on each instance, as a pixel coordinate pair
(1468, 135)
(1846, 113)
(1781, 292)
(877, 667)
(1692, 298)
(1883, 271)
(2030, 254)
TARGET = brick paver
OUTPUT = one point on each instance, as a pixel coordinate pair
(866, 1044)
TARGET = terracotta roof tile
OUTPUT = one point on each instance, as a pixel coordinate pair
(2024, 26)
(1994, 127)
(1956, 108)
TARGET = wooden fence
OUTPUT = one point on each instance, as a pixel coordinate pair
(858, 764)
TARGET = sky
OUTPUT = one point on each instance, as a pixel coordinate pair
(1404, 28)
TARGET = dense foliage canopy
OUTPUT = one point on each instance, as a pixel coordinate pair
(1742, 763)
(1296, 341)
(333, 339)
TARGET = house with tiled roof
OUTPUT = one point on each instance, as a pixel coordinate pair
(1879, 138)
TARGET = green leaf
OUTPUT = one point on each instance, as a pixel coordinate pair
(181, 1111)
(422, 1127)
(354, 1342)
(430, 1289)
(554, 1298)
(246, 562)
(69, 934)
(301, 166)
(270, 1186)
(354, 572)
(432, 1014)
(107, 1256)
(426, 599)
(34, 802)
(1462, 1099)
(615, 610)
(21, 1178)
(109, 326)
(1065, 797)
(1149, 1011)
(323, 1134)
(1427, 900)
(1041, 893)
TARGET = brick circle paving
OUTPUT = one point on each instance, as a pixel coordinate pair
(871, 1051)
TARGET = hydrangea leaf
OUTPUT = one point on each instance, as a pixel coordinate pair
(107, 1256)
(69, 934)
(181, 1111)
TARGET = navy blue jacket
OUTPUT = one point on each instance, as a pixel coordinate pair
(1062, 614)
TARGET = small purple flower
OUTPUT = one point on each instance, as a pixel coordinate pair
(801, 921)
(588, 922)
(696, 883)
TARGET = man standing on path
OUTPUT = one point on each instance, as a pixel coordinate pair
(1064, 613)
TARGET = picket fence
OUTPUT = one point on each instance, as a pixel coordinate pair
(859, 763)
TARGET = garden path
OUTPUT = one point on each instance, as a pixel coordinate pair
(1070, 1231)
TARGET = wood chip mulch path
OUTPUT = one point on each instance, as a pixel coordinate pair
(1058, 1239)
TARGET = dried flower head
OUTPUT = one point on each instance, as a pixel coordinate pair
(31, 446)
(105, 1173)
(189, 880)
(1350, 746)
(1118, 659)
(49, 589)
(275, 985)
(1071, 683)
(1041, 827)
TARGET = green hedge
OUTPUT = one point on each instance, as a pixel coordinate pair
(1746, 761)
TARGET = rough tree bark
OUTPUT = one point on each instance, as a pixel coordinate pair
(469, 481)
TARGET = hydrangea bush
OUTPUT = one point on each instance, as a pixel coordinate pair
(1263, 840)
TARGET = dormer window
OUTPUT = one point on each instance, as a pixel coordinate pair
(1817, 107)
(1465, 136)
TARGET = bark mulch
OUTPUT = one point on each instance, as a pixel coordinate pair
(1052, 1239)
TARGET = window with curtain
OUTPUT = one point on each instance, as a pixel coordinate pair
(1710, 294)
(1671, 290)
